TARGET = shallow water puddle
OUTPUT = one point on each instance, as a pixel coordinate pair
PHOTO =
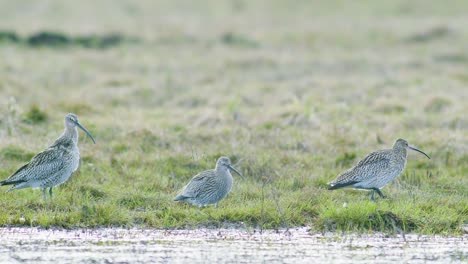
(223, 246)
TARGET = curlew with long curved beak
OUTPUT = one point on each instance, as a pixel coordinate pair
(54, 165)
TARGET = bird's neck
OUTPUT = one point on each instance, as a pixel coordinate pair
(402, 152)
(69, 134)
(222, 170)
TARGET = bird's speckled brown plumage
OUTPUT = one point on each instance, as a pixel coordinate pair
(376, 170)
(210, 186)
(54, 165)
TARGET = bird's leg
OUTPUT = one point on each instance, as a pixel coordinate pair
(380, 193)
(50, 193)
(44, 195)
(372, 195)
(216, 205)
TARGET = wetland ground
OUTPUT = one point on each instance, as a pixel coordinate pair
(295, 245)
(294, 92)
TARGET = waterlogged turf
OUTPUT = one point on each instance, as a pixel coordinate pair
(293, 92)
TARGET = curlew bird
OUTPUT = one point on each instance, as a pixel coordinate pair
(210, 186)
(376, 169)
(54, 165)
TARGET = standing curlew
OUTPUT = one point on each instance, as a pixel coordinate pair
(210, 186)
(54, 165)
(376, 169)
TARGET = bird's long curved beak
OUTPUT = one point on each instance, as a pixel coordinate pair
(236, 171)
(418, 150)
(86, 131)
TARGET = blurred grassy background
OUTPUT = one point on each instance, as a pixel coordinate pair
(294, 91)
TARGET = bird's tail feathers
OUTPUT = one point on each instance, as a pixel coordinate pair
(7, 182)
(180, 198)
(338, 185)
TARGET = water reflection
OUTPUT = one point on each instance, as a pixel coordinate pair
(223, 246)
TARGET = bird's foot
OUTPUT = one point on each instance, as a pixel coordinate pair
(380, 194)
(372, 196)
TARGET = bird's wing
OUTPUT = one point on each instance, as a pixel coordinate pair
(41, 166)
(193, 188)
(370, 166)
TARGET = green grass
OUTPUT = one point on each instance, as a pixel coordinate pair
(294, 93)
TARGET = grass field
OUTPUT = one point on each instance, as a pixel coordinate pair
(294, 92)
